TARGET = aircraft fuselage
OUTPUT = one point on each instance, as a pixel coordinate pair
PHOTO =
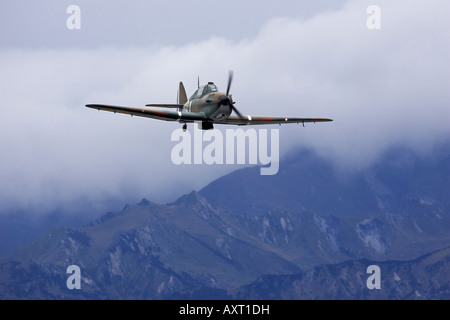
(215, 106)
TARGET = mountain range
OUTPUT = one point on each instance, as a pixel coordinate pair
(309, 232)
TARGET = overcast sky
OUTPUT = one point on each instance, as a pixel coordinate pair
(383, 87)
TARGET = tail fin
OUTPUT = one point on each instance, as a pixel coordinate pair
(182, 98)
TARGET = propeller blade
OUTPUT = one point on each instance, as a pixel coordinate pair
(228, 99)
(237, 111)
(230, 79)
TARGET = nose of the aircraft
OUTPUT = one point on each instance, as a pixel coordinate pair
(225, 100)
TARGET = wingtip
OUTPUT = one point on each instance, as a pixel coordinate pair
(94, 106)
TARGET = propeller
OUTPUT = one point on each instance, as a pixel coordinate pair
(226, 100)
(230, 79)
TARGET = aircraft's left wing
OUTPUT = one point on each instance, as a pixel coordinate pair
(256, 120)
(151, 113)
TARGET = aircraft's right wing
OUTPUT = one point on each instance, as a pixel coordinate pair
(165, 105)
(151, 113)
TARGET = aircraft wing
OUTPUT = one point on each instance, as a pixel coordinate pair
(256, 120)
(165, 105)
(151, 113)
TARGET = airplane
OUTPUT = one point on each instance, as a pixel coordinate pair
(207, 106)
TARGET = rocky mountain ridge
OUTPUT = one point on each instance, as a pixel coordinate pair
(306, 233)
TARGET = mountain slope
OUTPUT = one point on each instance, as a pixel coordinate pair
(427, 277)
(396, 209)
(246, 235)
(166, 247)
(308, 182)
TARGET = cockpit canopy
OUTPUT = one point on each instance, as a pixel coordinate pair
(203, 90)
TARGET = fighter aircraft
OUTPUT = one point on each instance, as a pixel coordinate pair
(207, 106)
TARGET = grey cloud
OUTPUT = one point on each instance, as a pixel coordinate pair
(382, 87)
(42, 23)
